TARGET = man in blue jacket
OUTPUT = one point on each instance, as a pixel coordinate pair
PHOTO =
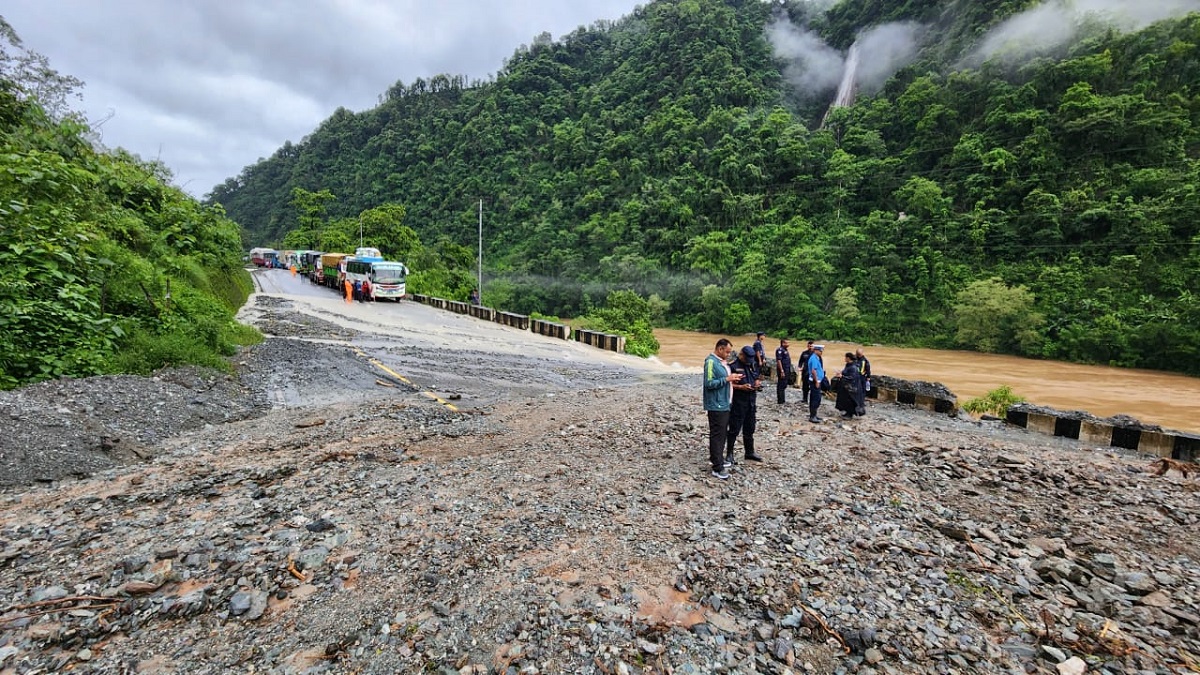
(816, 373)
(718, 388)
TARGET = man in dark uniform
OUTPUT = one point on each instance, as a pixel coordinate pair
(864, 368)
(783, 370)
(760, 354)
(805, 384)
(743, 409)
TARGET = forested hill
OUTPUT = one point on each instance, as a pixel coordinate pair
(997, 185)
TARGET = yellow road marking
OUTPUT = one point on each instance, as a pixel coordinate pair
(379, 364)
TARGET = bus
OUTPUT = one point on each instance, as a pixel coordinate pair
(388, 280)
(263, 257)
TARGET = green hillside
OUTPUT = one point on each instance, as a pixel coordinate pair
(104, 266)
(1041, 201)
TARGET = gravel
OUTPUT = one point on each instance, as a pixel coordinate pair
(316, 514)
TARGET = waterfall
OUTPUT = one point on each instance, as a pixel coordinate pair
(845, 92)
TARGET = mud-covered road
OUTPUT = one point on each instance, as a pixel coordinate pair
(455, 357)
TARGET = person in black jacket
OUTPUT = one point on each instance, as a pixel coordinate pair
(864, 368)
(743, 409)
(805, 385)
(850, 395)
(784, 373)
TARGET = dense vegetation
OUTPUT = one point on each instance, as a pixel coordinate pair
(1042, 206)
(104, 267)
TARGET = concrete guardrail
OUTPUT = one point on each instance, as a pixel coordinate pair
(550, 329)
(1121, 432)
(481, 312)
(613, 343)
(514, 320)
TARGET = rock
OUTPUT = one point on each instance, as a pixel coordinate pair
(1136, 583)
(1072, 666)
(320, 525)
(1056, 655)
(1156, 599)
(138, 587)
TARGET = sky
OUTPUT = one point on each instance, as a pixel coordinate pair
(210, 86)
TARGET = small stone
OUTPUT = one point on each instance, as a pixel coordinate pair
(84, 655)
(873, 656)
(1056, 655)
(1137, 583)
(1156, 599)
(1072, 666)
(320, 525)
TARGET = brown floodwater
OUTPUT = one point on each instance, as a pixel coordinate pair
(1153, 397)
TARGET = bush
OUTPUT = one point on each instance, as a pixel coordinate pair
(995, 402)
(145, 352)
(625, 313)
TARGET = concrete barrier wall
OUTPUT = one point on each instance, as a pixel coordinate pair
(458, 307)
(607, 341)
(946, 405)
(550, 329)
(514, 320)
(423, 299)
(1151, 441)
(481, 312)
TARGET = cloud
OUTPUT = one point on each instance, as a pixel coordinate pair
(1057, 22)
(210, 87)
(885, 49)
(811, 66)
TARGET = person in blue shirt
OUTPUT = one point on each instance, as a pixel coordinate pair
(816, 374)
(718, 385)
(760, 355)
(743, 409)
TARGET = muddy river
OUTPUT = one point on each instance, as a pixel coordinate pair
(1150, 396)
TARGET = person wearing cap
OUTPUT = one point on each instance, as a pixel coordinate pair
(718, 383)
(760, 356)
(743, 410)
(805, 382)
(816, 373)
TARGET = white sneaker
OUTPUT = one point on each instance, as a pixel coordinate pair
(723, 475)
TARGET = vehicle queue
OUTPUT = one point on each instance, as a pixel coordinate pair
(365, 275)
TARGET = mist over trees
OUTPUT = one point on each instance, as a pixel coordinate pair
(678, 154)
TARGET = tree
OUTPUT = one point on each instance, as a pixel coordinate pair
(991, 316)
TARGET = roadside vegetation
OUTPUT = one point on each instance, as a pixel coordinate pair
(104, 266)
(995, 402)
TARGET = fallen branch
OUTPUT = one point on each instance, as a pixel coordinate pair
(56, 601)
(1167, 464)
(56, 610)
(824, 626)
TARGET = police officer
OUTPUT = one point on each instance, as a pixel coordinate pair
(805, 383)
(783, 370)
(743, 409)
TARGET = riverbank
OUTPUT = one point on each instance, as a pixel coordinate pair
(556, 515)
(1163, 399)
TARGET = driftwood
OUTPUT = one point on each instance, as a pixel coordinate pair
(1167, 464)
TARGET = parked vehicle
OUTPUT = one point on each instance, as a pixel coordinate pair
(331, 268)
(263, 257)
(388, 280)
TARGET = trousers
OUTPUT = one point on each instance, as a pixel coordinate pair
(718, 427)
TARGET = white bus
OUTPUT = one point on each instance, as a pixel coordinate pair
(388, 280)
